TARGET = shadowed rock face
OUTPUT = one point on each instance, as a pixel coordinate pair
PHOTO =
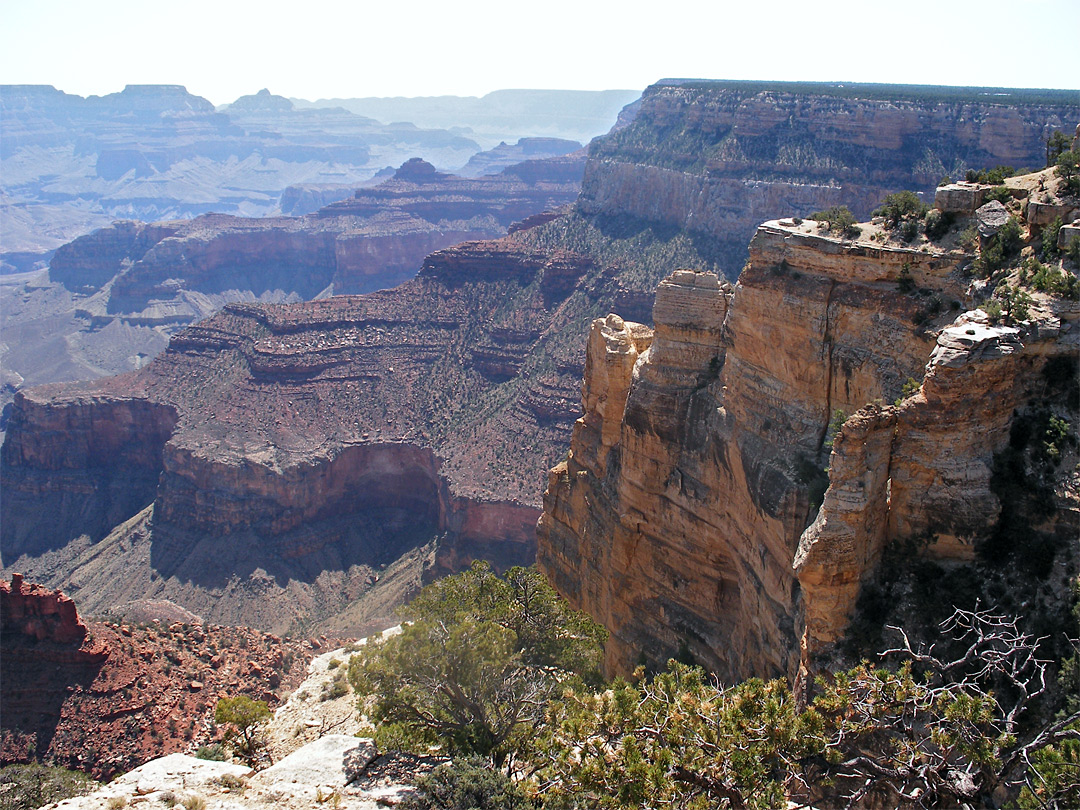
(283, 442)
(678, 518)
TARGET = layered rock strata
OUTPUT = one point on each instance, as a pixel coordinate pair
(680, 510)
(718, 158)
(118, 293)
(307, 446)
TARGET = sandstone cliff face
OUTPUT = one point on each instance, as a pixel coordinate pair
(677, 516)
(925, 469)
(718, 158)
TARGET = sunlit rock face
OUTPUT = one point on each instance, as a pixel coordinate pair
(686, 515)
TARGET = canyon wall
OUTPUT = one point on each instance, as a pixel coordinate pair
(678, 518)
(465, 382)
(117, 294)
(718, 158)
(304, 446)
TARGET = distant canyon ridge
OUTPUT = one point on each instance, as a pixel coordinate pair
(153, 152)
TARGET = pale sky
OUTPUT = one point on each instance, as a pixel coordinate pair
(222, 49)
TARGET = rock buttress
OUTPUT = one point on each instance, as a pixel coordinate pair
(677, 528)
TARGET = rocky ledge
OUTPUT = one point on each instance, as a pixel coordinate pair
(104, 697)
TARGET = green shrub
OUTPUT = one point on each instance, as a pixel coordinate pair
(837, 219)
(936, 223)
(1056, 144)
(478, 662)
(1053, 280)
(904, 282)
(993, 177)
(909, 230)
(1000, 249)
(244, 716)
(23, 787)
(1072, 250)
(1000, 193)
(470, 784)
(903, 206)
(336, 688)
(1068, 169)
(910, 388)
(1049, 249)
(214, 752)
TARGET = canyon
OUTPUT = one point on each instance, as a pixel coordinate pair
(157, 152)
(113, 298)
(306, 465)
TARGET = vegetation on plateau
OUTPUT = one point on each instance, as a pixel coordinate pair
(243, 716)
(476, 665)
(837, 220)
(501, 675)
(24, 787)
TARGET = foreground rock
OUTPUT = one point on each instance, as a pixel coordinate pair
(103, 697)
(336, 768)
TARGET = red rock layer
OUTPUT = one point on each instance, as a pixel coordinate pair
(297, 439)
(129, 693)
(39, 614)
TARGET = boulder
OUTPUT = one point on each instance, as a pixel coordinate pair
(1043, 213)
(991, 218)
(960, 198)
(332, 761)
(1067, 234)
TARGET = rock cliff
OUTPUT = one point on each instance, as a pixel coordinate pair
(104, 697)
(686, 516)
(720, 157)
(36, 613)
(306, 446)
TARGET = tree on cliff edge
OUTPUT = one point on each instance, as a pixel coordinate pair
(243, 716)
(476, 666)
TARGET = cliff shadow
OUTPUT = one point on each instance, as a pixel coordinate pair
(372, 536)
(38, 679)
